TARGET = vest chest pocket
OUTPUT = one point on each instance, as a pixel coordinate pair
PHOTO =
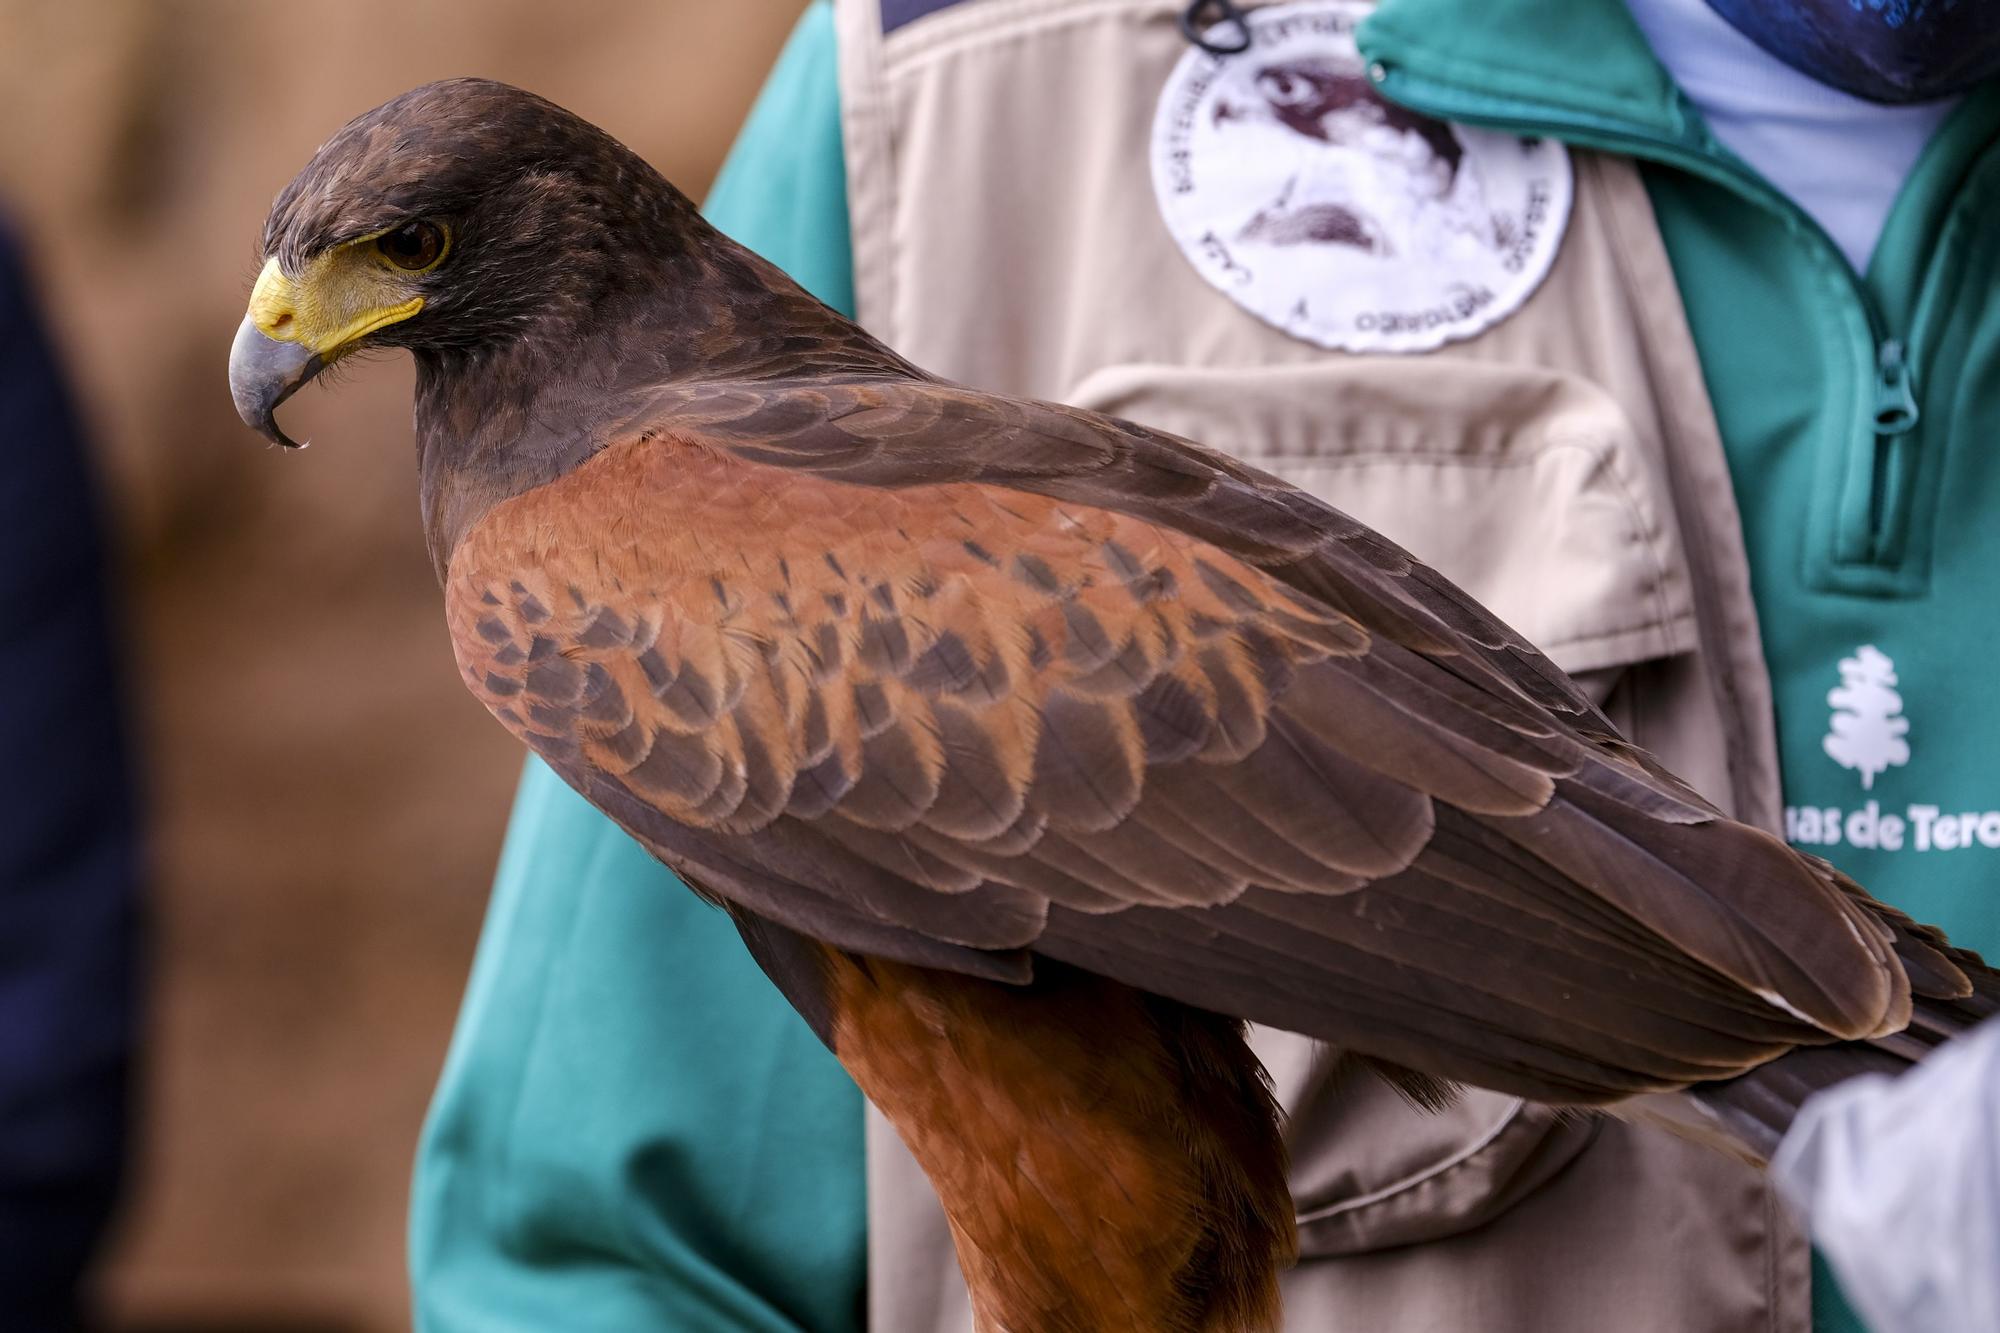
(1530, 490)
(1524, 486)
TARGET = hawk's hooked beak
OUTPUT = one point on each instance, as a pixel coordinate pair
(294, 330)
(264, 372)
(267, 362)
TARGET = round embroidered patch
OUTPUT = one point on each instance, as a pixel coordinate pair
(1336, 215)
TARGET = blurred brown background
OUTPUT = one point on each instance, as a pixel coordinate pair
(325, 803)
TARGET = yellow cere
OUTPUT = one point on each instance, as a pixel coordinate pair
(340, 298)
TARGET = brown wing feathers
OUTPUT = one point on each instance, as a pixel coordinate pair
(941, 676)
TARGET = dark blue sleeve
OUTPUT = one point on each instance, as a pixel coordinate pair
(68, 843)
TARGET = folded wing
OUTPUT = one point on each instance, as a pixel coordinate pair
(959, 679)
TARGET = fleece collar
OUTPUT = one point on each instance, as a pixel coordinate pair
(1582, 63)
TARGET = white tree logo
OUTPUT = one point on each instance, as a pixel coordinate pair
(1868, 723)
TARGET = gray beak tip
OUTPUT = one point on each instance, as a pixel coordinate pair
(263, 373)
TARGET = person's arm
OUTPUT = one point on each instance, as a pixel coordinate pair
(68, 844)
(633, 1129)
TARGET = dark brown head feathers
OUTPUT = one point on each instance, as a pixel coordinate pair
(577, 280)
(548, 214)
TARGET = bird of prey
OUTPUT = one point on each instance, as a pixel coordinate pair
(1031, 750)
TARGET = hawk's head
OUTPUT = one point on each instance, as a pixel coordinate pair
(460, 215)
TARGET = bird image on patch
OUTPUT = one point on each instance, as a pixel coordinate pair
(1395, 182)
(1033, 751)
(1297, 189)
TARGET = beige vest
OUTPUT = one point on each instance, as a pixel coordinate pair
(1563, 466)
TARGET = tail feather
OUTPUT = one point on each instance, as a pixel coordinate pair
(1952, 991)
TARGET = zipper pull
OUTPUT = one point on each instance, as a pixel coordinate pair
(1875, 493)
(1895, 401)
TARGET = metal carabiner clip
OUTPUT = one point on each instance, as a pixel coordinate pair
(1195, 27)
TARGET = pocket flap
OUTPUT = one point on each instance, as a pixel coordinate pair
(1523, 486)
(1370, 1171)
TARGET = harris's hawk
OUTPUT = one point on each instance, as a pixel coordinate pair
(1033, 751)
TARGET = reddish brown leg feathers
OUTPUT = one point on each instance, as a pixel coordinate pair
(1110, 1161)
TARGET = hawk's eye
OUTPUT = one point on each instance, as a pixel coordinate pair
(415, 246)
(1286, 88)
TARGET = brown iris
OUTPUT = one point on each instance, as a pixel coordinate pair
(414, 246)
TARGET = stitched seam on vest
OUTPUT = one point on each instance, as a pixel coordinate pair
(868, 144)
(1662, 615)
(919, 11)
(1431, 1172)
(952, 32)
(1697, 478)
(1770, 1264)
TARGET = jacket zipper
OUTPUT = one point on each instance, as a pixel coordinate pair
(1872, 519)
(1896, 415)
